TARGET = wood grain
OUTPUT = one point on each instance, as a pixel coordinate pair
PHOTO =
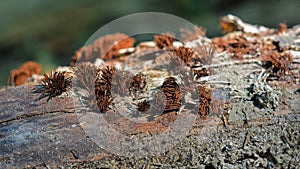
(40, 133)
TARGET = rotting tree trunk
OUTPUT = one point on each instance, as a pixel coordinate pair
(48, 134)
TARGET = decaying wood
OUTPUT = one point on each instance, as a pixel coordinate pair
(48, 134)
(34, 133)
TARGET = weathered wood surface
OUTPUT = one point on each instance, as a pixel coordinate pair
(47, 134)
(40, 133)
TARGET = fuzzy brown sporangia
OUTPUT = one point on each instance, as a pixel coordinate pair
(205, 100)
(276, 59)
(105, 48)
(173, 94)
(86, 79)
(143, 106)
(53, 85)
(203, 54)
(273, 56)
(103, 87)
(110, 80)
(170, 95)
(137, 83)
(185, 54)
(165, 40)
(188, 35)
(20, 75)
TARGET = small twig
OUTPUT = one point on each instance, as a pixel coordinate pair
(248, 135)
(246, 118)
(262, 77)
(74, 153)
(225, 121)
(180, 110)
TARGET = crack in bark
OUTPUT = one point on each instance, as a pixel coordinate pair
(26, 116)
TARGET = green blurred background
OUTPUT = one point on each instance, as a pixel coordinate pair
(50, 31)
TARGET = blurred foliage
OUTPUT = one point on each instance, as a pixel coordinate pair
(50, 31)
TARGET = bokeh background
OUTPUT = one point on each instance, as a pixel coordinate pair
(50, 31)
